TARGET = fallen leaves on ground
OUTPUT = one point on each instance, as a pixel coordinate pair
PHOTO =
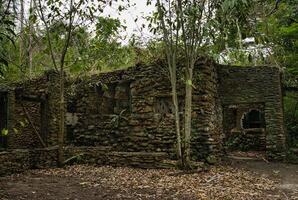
(129, 183)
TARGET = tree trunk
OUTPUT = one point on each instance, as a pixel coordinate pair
(62, 79)
(177, 118)
(30, 50)
(187, 117)
(21, 42)
(62, 120)
(239, 35)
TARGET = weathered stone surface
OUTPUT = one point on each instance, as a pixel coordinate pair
(102, 156)
(33, 108)
(131, 111)
(19, 160)
(243, 89)
(146, 122)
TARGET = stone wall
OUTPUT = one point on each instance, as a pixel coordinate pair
(131, 111)
(19, 160)
(33, 108)
(104, 156)
(239, 137)
(103, 117)
(126, 117)
(251, 86)
(32, 112)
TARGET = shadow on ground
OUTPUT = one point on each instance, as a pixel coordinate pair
(285, 174)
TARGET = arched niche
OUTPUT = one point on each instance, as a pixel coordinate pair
(253, 119)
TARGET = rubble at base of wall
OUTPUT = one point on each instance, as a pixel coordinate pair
(101, 156)
(19, 160)
(276, 155)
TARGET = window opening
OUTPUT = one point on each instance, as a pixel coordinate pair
(253, 119)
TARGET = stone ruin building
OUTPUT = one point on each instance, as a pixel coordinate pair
(125, 117)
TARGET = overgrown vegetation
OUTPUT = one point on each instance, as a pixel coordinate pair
(291, 118)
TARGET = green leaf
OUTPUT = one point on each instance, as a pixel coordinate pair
(22, 124)
(4, 132)
(188, 82)
(16, 131)
(33, 18)
(104, 87)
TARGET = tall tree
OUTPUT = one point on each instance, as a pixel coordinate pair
(21, 36)
(184, 25)
(190, 16)
(72, 12)
(193, 27)
(32, 19)
(171, 41)
(7, 33)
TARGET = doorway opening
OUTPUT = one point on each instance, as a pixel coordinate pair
(3, 120)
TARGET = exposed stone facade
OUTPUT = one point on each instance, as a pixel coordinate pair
(32, 111)
(19, 160)
(255, 88)
(131, 110)
(129, 113)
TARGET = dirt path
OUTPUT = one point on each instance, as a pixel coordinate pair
(96, 183)
(285, 174)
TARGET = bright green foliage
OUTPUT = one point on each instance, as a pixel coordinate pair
(107, 29)
(230, 14)
(101, 52)
(6, 33)
(291, 118)
(283, 32)
(87, 53)
(107, 48)
(234, 21)
(4, 132)
(280, 32)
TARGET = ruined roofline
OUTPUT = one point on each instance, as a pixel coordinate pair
(15, 84)
(131, 73)
(238, 67)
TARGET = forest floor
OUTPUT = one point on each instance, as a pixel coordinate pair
(233, 180)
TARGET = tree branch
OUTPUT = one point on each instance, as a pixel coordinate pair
(277, 2)
(48, 35)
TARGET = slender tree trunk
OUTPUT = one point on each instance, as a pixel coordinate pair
(177, 118)
(61, 74)
(62, 120)
(62, 80)
(21, 42)
(30, 54)
(226, 43)
(187, 117)
(30, 50)
(239, 34)
(171, 49)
